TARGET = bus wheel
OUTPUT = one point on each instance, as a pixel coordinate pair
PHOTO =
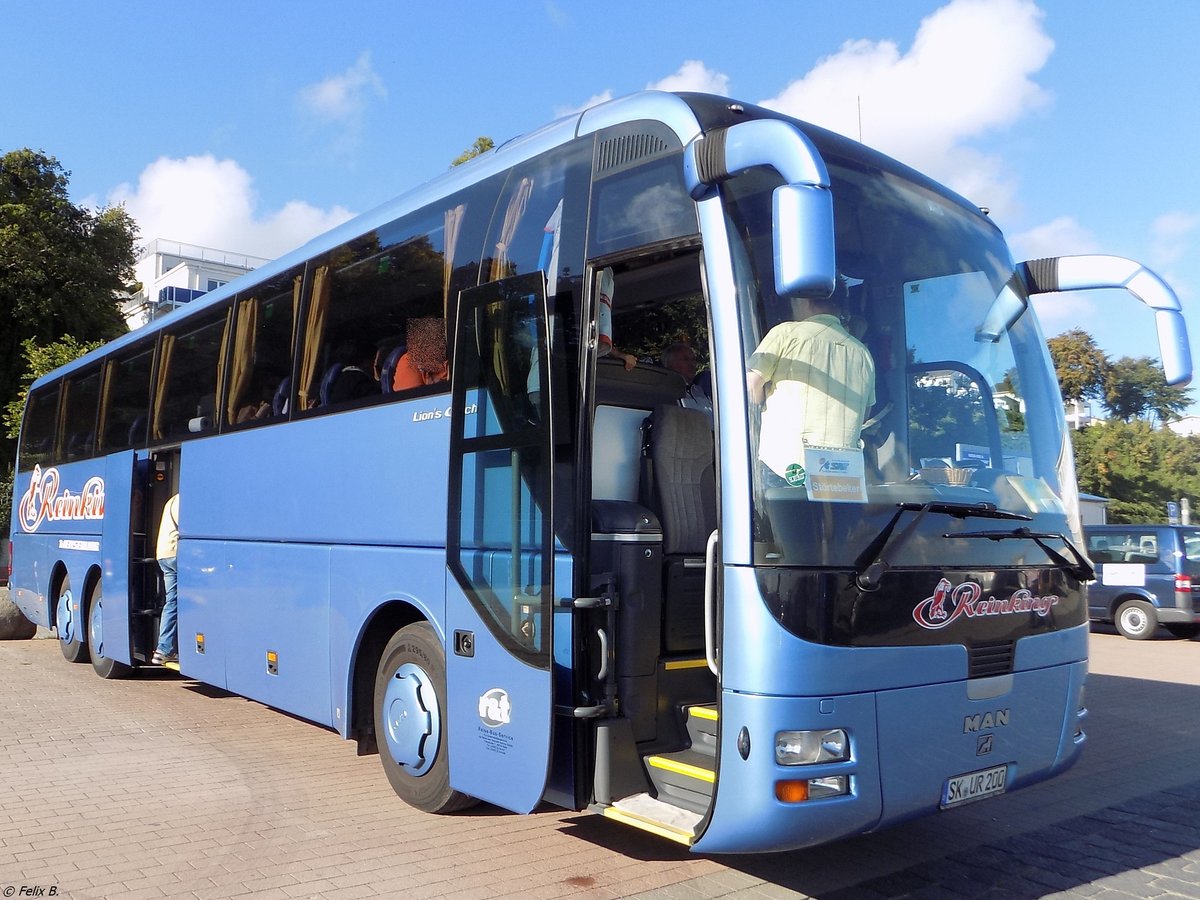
(1135, 620)
(410, 723)
(68, 622)
(104, 666)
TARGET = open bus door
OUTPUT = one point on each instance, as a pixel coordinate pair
(500, 546)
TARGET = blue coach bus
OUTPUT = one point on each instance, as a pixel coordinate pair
(542, 577)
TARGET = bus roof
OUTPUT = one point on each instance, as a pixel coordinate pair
(687, 114)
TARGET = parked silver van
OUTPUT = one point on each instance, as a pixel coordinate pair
(1146, 576)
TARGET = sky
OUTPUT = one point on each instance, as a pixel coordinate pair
(252, 127)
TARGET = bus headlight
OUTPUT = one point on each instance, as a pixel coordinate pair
(805, 748)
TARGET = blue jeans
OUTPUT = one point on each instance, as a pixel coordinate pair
(168, 626)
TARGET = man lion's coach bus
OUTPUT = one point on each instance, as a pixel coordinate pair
(540, 577)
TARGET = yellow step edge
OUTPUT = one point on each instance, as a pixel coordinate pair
(682, 768)
(709, 713)
(672, 834)
(674, 664)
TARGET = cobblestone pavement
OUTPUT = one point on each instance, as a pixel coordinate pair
(160, 787)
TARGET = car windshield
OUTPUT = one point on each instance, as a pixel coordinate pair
(924, 380)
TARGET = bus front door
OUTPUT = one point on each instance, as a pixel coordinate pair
(500, 546)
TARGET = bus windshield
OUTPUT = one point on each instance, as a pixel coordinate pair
(924, 379)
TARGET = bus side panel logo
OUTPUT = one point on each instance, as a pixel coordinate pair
(42, 501)
(949, 603)
(495, 709)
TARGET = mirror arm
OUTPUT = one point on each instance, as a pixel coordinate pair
(1084, 273)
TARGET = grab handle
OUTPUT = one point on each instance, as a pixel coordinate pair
(710, 625)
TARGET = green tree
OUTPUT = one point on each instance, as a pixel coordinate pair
(40, 359)
(1081, 366)
(1137, 389)
(1138, 467)
(482, 145)
(62, 267)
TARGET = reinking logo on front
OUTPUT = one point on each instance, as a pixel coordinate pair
(950, 603)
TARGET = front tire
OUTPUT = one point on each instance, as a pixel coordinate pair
(69, 623)
(410, 720)
(105, 667)
(1135, 619)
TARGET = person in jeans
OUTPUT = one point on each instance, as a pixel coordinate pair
(168, 544)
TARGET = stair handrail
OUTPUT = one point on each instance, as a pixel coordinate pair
(710, 641)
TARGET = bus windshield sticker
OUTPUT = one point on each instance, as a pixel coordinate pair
(42, 501)
(835, 475)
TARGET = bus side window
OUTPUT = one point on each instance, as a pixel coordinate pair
(260, 362)
(38, 427)
(126, 405)
(190, 376)
(81, 406)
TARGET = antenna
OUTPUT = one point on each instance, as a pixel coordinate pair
(860, 140)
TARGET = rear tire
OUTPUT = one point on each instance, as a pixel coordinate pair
(1135, 619)
(1182, 629)
(69, 623)
(410, 720)
(104, 666)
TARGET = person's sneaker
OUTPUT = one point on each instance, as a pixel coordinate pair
(160, 659)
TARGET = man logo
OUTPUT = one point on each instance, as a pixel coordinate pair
(495, 709)
(984, 745)
(985, 721)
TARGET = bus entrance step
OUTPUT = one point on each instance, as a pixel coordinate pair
(702, 727)
(683, 779)
(645, 812)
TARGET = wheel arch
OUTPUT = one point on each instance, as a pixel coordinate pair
(91, 578)
(1125, 597)
(376, 632)
(58, 574)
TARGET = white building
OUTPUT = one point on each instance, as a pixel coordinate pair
(172, 273)
(1188, 426)
(1079, 414)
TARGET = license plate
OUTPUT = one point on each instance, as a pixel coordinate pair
(974, 786)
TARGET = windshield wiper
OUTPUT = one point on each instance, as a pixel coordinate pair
(871, 574)
(1082, 569)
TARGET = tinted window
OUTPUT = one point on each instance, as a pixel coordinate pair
(127, 399)
(642, 206)
(190, 372)
(37, 431)
(526, 232)
(375, 326)
(260, 364)
(81, 409)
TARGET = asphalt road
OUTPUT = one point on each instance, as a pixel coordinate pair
(160, 787)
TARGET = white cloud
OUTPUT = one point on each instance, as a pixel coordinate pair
(969, 71)
(594, 100)
(342, 99)
(693, 75)
(210, 202)
(1063, 236)
(1173, 236)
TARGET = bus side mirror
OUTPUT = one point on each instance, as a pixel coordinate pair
(803, 240)
(802, 208)
(1085, 273)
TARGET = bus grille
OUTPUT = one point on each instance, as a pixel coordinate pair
(986, 660)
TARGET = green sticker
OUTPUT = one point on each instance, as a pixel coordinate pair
(795, 475)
